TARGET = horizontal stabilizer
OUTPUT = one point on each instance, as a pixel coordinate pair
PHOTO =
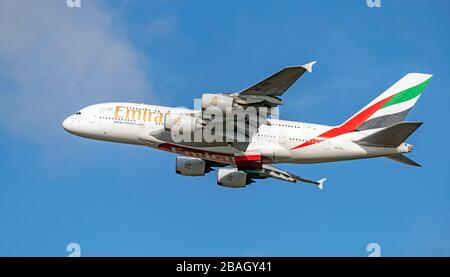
(391, 136)
(402, 159)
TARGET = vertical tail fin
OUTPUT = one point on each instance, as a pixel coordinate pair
(392, 106)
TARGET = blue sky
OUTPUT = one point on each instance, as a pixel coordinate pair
(116, 199)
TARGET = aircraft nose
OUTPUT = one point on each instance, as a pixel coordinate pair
(67, 124)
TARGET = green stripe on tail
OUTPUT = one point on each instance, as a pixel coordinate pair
(407, 94)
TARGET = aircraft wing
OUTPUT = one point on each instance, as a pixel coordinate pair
(267, 171)
(267, 92)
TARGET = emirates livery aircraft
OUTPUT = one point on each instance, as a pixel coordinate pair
(245, 153)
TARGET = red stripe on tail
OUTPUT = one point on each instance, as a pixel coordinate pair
(348, 126)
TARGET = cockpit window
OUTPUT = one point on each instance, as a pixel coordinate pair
(78, 113)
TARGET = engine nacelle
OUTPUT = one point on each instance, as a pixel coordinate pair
(217, 100)
(231, 178)
(182, 122)
(190, 166)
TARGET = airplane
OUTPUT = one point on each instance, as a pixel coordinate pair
(377, 130)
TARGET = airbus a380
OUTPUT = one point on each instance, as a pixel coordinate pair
(377, 130)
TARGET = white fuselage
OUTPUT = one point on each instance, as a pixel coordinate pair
(132, 123)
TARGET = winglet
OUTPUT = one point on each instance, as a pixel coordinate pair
(320, 183)
(309, 66)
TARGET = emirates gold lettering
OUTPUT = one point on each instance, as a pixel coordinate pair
(159, 117)
(118, 111)
(122, 112)
(133, 114)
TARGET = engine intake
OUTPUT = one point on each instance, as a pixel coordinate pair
(189, 166)
(217, 100)
(182, 122)
(231, 178)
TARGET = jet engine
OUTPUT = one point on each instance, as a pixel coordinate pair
(189, 166)
(183, 122)
(217, 100)
(231, 178)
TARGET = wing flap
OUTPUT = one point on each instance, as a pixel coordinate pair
(267, 171)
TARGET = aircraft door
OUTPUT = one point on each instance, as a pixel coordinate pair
(92, 118)
(282, 138)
